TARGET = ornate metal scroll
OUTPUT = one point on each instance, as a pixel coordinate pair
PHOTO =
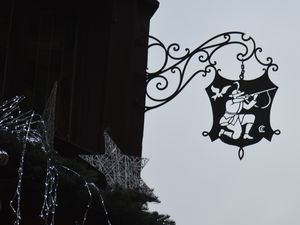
(176, 66)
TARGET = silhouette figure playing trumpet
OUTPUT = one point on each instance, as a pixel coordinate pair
(233, 120)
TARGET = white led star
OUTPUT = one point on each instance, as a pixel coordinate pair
(119, 169)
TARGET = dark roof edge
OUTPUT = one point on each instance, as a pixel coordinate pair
(150, 6)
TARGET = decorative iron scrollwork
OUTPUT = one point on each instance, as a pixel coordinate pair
(176, 66)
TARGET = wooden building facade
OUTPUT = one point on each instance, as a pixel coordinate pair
(95, 50)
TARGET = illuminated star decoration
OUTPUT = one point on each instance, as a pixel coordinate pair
(119, 169)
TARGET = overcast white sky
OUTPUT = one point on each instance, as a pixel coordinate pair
(200, 182)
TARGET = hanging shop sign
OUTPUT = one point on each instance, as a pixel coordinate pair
(241, 107)
(241, 110)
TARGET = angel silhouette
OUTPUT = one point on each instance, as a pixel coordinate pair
(218, 93)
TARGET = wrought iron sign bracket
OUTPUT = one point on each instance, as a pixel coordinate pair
(241, 108)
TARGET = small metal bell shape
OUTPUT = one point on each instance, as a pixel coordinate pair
(4, 157)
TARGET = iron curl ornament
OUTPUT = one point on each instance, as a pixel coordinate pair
(241, 107)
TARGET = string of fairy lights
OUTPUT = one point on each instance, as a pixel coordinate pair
(102, 201)
(30, 127)
(51, 181)
(88, 186)
(24, 126)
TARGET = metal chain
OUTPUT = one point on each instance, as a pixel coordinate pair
(242, 71)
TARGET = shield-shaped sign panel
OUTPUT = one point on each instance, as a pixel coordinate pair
(241, 110)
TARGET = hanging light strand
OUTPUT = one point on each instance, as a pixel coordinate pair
(25, 127)
(31, 128)
(17, 196)
(50, 193)
(51, 181)
(88, 186)
(102, 202)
